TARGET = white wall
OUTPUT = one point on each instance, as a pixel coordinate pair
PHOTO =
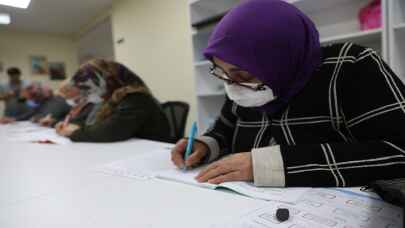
(157, 46)
(97, 42)
(17, 47)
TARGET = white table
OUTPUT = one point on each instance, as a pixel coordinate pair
(52, 186)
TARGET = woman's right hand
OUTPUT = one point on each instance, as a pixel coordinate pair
(47, 121)
(7, 120)
(59, 126)
(200, 151)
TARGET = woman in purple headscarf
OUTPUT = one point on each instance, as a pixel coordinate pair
(297, 114)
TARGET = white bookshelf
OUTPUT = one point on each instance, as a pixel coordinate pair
(399, 27)
(206, 84)
(204, 11)
(200, 41)
(336, 20)
(202, 63)
(362, 36)
(373, 37)
(210, 92)
(396, 11)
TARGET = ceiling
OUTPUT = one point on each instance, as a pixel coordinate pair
(64, 17)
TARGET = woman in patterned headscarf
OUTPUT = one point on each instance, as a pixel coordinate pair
(127, 107)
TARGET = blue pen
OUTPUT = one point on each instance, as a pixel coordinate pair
(191, 137)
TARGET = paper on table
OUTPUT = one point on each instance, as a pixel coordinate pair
(21, 127)
(325, 208)
(288, 195)
(39, 134)
(142, 167)
(185, 177)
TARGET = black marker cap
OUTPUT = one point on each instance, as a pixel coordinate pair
(282, 214)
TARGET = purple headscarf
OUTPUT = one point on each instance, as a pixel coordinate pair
(272, 40)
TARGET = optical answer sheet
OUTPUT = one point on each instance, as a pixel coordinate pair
(325, 208)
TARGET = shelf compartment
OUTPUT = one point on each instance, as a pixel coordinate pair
(209, 109)
(399, 27)
(206, 84)
(355, 37)
(208, 11)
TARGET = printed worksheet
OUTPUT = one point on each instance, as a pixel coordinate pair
(325, 208)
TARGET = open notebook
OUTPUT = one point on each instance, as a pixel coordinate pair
(288, 195)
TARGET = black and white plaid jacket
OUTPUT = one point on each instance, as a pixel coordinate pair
(345, 128)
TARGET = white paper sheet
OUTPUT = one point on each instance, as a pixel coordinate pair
(288, 195)
(21, 126)
(142, 167)
(325, 208)
(184, 176)
(30, 132)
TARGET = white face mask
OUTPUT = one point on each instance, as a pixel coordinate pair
(249, 98)
(32, 104)
(94, 98)
(71, 102)
(74, 101)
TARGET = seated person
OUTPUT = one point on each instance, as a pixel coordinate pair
(65, 105)
(10, 92)
(83, 110)
(38, 98)
(56, 109)
(297, 114)
(128, 108)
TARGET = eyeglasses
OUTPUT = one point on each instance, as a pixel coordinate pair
(219, 73)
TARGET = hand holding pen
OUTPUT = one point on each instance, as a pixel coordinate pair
(66, 121)
(189, 152)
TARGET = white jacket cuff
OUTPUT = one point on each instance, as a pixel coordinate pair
(268, 167)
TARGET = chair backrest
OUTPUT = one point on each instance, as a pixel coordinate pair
(177, 113)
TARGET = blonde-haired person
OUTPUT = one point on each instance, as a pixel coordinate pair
(60, 112)
(127, 107)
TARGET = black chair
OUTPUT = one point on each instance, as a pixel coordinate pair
(177, 113)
